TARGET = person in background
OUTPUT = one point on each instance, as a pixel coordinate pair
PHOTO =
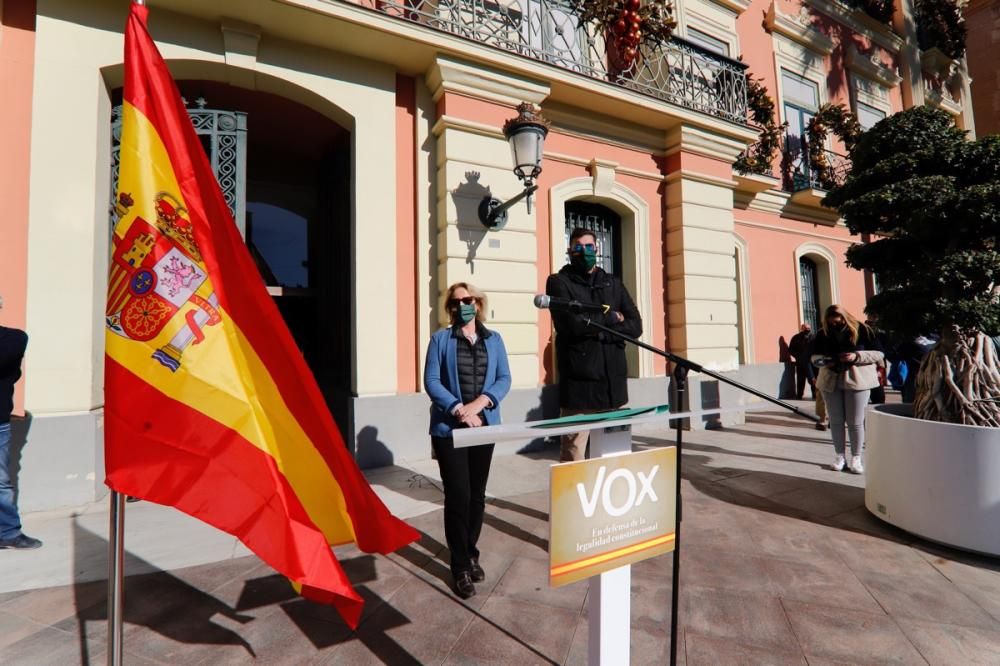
(13, 342)
(823, 422)
(466, 375)
(799, 347)
(846, 353)
(593, 369)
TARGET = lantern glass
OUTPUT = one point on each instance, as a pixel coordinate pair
(526, 143)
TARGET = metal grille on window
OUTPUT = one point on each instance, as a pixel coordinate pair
(810, 292)
(606, 227)
(223, 135)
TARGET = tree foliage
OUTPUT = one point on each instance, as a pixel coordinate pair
(931, 198)
(940, 24)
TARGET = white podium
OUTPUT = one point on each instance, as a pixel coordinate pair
(609, 601)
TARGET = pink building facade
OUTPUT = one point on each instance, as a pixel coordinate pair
(356, 142)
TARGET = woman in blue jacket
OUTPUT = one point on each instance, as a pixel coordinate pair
(466, 376)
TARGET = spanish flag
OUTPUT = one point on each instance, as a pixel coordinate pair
(209, 405)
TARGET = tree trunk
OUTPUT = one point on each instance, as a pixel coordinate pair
(959, 381)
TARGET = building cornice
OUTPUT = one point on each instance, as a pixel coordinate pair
(449, 74)
(709, 144)
(794, 28)
(870, 67)
(857, 20)
(736, 6)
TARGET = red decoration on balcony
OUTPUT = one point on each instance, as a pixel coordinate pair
(628, 25)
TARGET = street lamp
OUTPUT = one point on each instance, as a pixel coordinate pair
(526, 134)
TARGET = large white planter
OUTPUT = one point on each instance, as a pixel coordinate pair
(937, 480)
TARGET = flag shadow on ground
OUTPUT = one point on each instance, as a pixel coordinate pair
(171, 607)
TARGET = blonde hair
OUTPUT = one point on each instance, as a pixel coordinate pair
(853, 325)
(474, 292)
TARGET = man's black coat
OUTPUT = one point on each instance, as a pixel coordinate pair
(593, 370)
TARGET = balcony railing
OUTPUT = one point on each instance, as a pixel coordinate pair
(677, 72)
(800, 174)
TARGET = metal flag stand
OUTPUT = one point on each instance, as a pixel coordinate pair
(116, 591)
(681, 368)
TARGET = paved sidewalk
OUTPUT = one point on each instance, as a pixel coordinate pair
(781, 563)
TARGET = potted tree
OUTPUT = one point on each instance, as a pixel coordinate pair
(931, 198)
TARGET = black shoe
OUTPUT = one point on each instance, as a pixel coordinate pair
(21, 542)
(478, 575)
(463, 585)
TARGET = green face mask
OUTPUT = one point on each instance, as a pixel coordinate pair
(466, 313)
(585, 260)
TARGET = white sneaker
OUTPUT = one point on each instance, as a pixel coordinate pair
(856, 465)
(838, 464)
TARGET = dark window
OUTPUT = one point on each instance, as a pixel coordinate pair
(607, 228)
(810, 292)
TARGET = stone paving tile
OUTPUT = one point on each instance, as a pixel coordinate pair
(527, 579)
(51, 605)
(649, 644)
(947, 644)
(862, 521)
(763, 484)
(791, 538)
(51, 647)
(707, 650)
(864, 553)
(651, 598)
(722, 569)
(514, 631)
(14, 628)
(851, 637)
(821, 498)
(831, 585)
(977, 577)
(422, 623)
(932, 598)
(209, 577)
(756, 620)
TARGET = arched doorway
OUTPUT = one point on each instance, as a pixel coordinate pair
(286, 172)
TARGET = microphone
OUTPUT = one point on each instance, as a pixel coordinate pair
(545, 302)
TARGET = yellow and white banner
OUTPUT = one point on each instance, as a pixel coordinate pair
(611, 511)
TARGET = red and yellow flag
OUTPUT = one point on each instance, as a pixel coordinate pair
(209, 405)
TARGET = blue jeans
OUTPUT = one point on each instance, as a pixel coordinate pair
(10, 522)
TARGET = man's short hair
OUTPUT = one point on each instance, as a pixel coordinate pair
(580, 232)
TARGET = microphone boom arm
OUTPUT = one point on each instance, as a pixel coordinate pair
(691, 366)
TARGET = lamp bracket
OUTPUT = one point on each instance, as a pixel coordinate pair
(493, 212)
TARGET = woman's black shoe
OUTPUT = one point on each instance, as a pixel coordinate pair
(478, 575)
(463, 585)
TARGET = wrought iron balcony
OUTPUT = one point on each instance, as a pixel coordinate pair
(799, 173)
(677, 72)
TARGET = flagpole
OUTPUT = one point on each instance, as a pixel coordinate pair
(116, 592)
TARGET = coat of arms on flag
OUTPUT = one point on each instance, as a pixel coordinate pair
(157, 270)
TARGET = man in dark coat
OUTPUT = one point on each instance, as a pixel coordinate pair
(593, 371)
(12, 344)
(799, 347)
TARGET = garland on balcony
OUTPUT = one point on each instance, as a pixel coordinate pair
(628, 23)
(940, 24)
(757, 158)
(843, 123)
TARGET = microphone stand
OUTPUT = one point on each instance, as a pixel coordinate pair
(682, 367)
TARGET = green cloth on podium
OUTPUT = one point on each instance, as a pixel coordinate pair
(614, 415)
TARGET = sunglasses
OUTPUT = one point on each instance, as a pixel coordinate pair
(580, 247)
(468, 300)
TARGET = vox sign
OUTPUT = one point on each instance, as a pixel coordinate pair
(609, 512)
